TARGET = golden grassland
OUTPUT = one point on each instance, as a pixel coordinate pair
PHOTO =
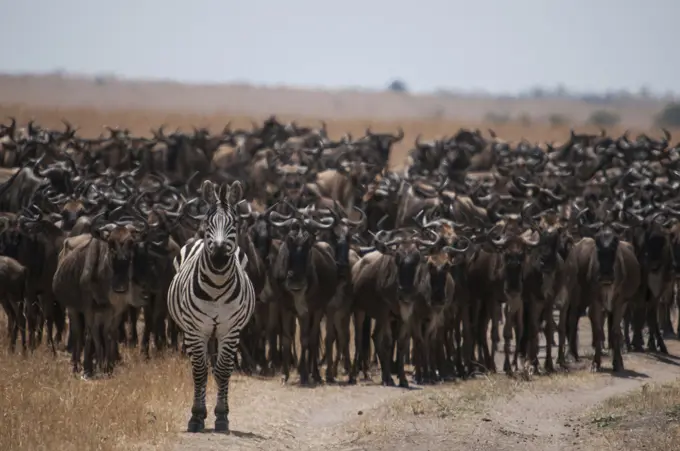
(92, 122)
(43, 406)
(648, 418)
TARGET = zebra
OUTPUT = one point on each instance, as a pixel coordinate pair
(211, 297)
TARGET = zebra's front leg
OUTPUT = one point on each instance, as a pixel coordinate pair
(222, 372)
(199, 369)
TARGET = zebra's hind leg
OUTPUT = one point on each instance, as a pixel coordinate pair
(225, 366)
(199, 369)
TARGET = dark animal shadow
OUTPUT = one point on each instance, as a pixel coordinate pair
(668, 359)
(625, 374)
(237, 434)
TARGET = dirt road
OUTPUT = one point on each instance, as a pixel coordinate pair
(496, 413)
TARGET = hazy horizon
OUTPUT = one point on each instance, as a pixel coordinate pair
(491, 46)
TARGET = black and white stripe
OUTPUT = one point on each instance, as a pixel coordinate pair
(207, 301)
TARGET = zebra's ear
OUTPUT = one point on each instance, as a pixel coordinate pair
(208, 192)
(235, 193)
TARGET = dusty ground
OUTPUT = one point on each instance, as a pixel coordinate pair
(146, 404)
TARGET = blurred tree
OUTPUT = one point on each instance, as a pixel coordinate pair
(669, 116)
(397, 86)
(604, 118)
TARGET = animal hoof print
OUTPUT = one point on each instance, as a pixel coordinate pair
(195, 426)
(222, 427)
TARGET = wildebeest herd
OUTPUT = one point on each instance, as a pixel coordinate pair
(427, 261)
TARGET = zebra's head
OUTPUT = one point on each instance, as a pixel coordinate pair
(220, 226)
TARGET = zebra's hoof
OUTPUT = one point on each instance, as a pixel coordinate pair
(222, 426)
(196, 425)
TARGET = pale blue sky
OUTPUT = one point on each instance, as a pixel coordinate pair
(496, 45)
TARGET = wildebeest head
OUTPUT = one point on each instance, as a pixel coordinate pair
(292, 181)
(607, 245)
(293, 261)
(514, 252)
(548, 249)
(120, 238)
(341, 236)
(408, 255)
(655, 241)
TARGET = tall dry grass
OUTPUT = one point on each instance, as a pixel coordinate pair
(43, 406)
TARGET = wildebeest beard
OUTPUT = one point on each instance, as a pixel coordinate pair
(407, 266)
(654, 249)
(513, 273)
(120, 279)
(298, 257)
(261, 238)
(437, 285)
(607, 244)
(675, 257)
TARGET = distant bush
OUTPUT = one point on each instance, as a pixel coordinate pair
(557, 120)
(669, 116)
(497, 118)
(604, 118)
(397, 86)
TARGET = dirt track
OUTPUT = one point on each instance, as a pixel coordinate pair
(497, 413)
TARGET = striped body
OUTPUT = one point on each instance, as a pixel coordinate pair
(211, 296)
(203, 302)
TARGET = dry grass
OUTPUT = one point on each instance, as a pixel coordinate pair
(44, 407)
(648, 418)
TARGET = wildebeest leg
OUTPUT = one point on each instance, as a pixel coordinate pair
(274, 324)
(496, 313)
(572, 328)
(329, 342)
(305, 356)
(342, 340)
(359, 337)
(88, 364)
(287, 322)
(654, 330)
(315, 343)
(468, 341)
(148, 325)
(626, 329)
(382, 340)
(32, 314)
(173, 332)
(403, 343)
(366, 347)
(519, 330)
(535, 316)
(666, 324)
(597, 326)
(48, 307)
(549, 337)
(617, 315)
(76, 322)
(638, 316)
(507, 339)
(59, 322)
(562, 335)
